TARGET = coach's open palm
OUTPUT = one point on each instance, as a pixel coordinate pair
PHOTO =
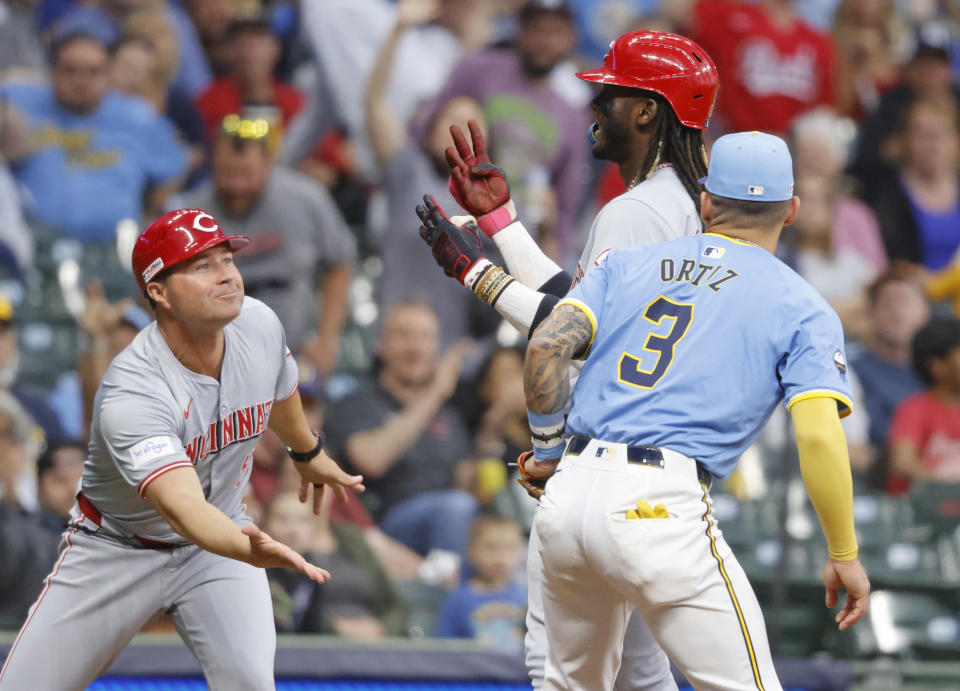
(321, 471)
(268, 553)
(850, 576)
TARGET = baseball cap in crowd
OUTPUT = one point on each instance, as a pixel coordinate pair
(136, 317)
(750, 166)
(532, 7)
(932, 41)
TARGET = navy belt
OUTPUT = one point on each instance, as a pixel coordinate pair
(641, 455)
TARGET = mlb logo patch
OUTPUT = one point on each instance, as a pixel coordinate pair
(755, 190)
(711, 251)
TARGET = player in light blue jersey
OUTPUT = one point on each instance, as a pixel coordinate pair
(689, 346)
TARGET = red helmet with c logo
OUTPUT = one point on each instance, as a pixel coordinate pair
(176, 236)
(668, 64)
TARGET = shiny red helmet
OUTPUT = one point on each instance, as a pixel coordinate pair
(668, 64)
(176, 236)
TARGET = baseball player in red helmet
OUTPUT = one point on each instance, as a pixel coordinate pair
(159, 526)
(657, 94)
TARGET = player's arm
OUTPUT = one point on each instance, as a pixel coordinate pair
(290, 424)
(459, 251)
(178, 497)
(481, 188)
(825, 468)
(567, 332)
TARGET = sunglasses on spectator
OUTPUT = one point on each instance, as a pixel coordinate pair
(245, 128)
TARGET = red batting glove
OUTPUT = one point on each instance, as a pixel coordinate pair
(478, 185)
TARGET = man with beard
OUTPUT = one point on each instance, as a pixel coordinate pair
(400, 431)
(657, 96)
(535, 128)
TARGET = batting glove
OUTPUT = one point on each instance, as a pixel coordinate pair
(457, 249)
(476, 183)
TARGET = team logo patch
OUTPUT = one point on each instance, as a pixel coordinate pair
(601, 257)
(150, 449)
(840, 362)
(152, 270)
(755, 190)
(711, 251)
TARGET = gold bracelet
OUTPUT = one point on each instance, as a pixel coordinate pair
(480, 287)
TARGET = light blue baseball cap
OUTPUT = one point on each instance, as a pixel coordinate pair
(751, 166)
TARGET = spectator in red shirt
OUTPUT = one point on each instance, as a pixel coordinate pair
(774, 65)
(925, 433)
(250, 82)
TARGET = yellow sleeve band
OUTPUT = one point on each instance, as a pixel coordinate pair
(844, 404)
(825, 467)
(582, 306)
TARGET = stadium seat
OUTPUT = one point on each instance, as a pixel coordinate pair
(907, 624)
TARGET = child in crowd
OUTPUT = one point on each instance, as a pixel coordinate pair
(358, 603)
(925, 433)
(490, 607)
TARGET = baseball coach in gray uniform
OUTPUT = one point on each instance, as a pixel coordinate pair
(159, 525)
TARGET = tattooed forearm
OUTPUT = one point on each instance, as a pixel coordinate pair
(546, 382)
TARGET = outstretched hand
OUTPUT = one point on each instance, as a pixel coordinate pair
(477, 184)
(268, 553)
(851, 576)
(322, 471)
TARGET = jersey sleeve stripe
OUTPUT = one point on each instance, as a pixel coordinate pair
(844, 404)
(296, 387)
(142, 487)
(582, 306)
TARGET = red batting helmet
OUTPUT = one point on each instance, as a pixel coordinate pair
(673, 66)
(176, 236)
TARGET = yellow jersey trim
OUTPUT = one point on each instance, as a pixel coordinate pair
(582, 306)
(745, 243)
(844, 404)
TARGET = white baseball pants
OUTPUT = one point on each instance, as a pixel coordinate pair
(643, 667)
(678, 572)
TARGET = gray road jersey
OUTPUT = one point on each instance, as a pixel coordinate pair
(656, 210)
(152, 414)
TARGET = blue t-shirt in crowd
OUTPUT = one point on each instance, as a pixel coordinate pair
(87, 171)
(939, 234)
(884, 385)
(495, 618)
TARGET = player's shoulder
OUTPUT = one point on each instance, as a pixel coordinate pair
(137, 371)
(662, 196)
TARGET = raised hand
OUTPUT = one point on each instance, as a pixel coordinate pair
(478, 185)
(457, 249)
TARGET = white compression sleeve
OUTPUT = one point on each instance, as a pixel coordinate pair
(526, 262)
(518, 304)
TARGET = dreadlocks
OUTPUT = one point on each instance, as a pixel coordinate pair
(680, 146)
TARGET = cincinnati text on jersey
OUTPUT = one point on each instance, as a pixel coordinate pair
(240, 425)
(695, 273)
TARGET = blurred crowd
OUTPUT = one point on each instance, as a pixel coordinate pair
(316, 126)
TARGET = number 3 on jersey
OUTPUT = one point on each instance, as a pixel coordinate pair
(662, 346)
